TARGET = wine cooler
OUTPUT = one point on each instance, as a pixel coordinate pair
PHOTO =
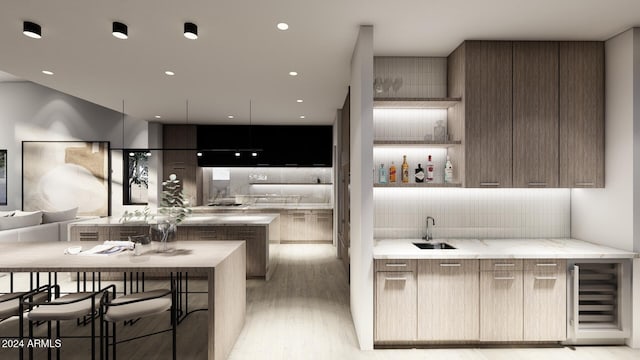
(599, 302)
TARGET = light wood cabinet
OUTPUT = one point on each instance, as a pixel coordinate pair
(581, 114)
(88, 233)
(395, 310)
(448, 293)
(545, 305)
(535, 114)
(123, 232)
(307, 226)
(487, 117)
(501, 300)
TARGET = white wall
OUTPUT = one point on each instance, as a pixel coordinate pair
(31, 112)
(361, 202)
(611, 216)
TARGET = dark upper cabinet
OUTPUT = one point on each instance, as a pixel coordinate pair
(535, 114)
(299, 146)
(488, 130)
(581, 114)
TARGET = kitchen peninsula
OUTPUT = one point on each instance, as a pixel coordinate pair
(260, 231)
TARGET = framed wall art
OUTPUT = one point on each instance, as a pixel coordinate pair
(3, 177)
(60, 175)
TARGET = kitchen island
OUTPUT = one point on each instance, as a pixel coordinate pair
(222, 262)
(260, 231)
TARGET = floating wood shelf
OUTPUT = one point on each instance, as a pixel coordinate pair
(415, 103)
(417, 185)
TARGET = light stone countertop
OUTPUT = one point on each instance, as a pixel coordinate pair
(194, 220)
(275, 207)
(499, 249)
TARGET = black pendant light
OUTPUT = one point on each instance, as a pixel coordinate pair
(120, 30)
(32, 30)
(190, 30)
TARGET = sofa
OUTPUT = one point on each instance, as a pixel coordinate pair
(32, 226)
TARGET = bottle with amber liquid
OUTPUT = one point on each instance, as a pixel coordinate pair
(392, 173)
(405, 170)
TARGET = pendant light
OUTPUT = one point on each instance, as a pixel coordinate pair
(190, 30)
(254, 152)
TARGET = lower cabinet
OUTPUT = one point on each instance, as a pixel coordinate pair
(505, 300)
(307, 226)
(501, 300)
(395, 306)
(447, 300)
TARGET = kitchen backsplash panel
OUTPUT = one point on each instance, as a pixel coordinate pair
(409, 77)
(406, 124)
(472, 213)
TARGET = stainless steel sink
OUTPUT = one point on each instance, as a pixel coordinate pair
(433, 245)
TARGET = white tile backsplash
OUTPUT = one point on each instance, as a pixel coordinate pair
(472, 213)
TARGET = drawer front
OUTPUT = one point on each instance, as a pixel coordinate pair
(395, 306)
(123, 232)
(395, 265)
(449, 266)
(501, 265)
(545, 265)
(205, 233)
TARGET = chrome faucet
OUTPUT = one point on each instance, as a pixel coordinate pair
(428, 235)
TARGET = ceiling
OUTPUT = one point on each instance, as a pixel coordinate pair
(240, 56)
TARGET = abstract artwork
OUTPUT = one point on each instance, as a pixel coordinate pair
(3, 177)
(59, 175)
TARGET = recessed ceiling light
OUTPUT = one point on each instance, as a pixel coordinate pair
(254, 154)
(158, 116)
(190, 30)
(120, 30)
(31, 30)
(147, 154)
(169, 73)
(282, 26)
(299, 100)
(199, 154)
(47, 72)
(302, 116)
(293, 73)
(132, 154)
(237, 154)
(230, 116)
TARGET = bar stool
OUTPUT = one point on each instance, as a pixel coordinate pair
(139, 305)
(66, 307)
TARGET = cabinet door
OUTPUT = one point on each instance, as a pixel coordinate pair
(203, 233)
(535, 114)
(324, 223)
(123, 232)
(257, 247)
(183, 162)
(581, 114)
(488, 127)
(89, 233)
(395, 306)
(545, 300)
(501, 305)
(448, 306)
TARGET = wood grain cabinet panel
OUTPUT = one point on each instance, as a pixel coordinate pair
(488, 126)
(535, 114)
(183, 162)
(123, 232)
(501, 305)
(395, 309)
(448, 293)
(545, 294)
(88, 233)
(581, 114)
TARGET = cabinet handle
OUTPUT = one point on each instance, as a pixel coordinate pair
(546, 264)
(546, 278)
(584, 184)
(489, 184)
(504, 278)
(537, 184)
(396, 265)
(395, 279)
(504, 265)
(450, 265)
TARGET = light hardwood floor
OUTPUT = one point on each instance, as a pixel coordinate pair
(302, 313)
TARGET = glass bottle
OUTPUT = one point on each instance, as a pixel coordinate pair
(392, 173)
(429, 169)
(419, 174)
(382, 175)
(405, 170)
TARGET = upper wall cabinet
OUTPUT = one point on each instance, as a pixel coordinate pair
(531, 115)
(182, 161)
(535, 114)
(581, 114)
(482, 76)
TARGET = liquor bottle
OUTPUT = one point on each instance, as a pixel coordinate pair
(419, 174)
(448, 171)
(405, 170)
(382, 175)
(392, 173)
(429, 169)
